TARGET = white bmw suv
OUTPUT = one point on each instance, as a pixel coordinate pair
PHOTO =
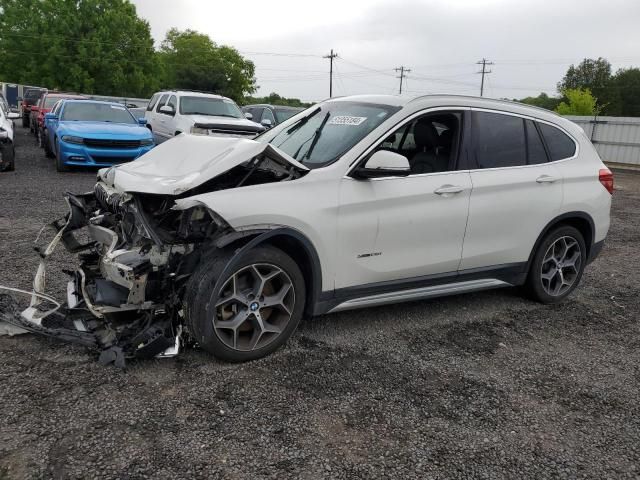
(355, 202)
(173, 112)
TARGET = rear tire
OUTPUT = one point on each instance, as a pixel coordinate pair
(557, 265)
(251, 312)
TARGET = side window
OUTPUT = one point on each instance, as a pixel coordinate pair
(535, 148)
(152, 102)
(162, 101)
(173, 102)
(499, 140)
(268, 115)
(430, 143)
(559, 144)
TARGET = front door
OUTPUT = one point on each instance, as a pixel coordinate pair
(407, 228)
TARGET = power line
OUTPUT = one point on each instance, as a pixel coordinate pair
(484, 62)
(403, 70)
(331, 56)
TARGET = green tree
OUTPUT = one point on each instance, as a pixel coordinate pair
(275, 99)
(89, 46)
(191, 60)
(580, 102)
(543, 101)
(625, 93)
(591, 74)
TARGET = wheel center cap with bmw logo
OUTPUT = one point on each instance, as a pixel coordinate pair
(254, 306)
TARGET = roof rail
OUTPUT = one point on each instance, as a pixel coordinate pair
(501, 100)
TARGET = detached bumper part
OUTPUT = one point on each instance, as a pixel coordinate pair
(105, 308)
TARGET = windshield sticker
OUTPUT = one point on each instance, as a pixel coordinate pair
(117, 107)
(346, 120)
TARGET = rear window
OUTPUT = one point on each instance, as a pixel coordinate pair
(499, 140)
(560, 145)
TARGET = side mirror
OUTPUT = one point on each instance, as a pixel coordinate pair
(167, 110)
(266, 122)
(142, 121)
(4, 134)
(384, 163)
(13, 115)
(50, 116)
(248, 115)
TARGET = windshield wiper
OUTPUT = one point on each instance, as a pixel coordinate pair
(302, 121)
(316, 136)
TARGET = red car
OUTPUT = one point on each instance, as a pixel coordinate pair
(46, 103)
(31, 98)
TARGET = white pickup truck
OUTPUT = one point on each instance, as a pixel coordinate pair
(173, 112)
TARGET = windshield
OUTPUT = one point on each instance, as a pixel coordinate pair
(96, 112)
(221, 107)
(285, 114)
(331, 130)
(50, 101)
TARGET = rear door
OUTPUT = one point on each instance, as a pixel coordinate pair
(516, 191)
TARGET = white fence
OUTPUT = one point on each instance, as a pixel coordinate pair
(617, 139)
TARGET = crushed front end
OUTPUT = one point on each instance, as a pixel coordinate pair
(136, 253)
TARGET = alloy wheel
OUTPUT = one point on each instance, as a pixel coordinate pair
(561, 266)
(255, 306)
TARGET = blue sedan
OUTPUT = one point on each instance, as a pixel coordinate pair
(94, 134)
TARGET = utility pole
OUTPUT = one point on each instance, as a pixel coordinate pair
(484, 62)
(403, 71)
(331, 56)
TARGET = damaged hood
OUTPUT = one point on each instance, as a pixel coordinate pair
(187, 161)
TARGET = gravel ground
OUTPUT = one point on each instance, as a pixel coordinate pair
(486, 385)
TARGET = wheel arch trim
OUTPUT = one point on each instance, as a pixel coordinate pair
(560, 219)
(260, 236)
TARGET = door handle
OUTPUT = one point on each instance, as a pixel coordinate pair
(546, 179)
(443, 190)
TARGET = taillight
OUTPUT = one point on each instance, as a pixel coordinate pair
(606, 179)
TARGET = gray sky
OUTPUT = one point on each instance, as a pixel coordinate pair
(531, 42)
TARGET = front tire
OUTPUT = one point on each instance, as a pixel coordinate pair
(7, 157)
(252, 311)
(45, 144)
(557, 266)
(60, 166)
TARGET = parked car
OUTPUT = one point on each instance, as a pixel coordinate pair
(7, 149)
(92, 133)
(270, 115)
(358, 201)
(171, 113)
(45, 105)
(31, 97)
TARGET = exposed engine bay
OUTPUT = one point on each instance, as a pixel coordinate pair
(136, 254)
